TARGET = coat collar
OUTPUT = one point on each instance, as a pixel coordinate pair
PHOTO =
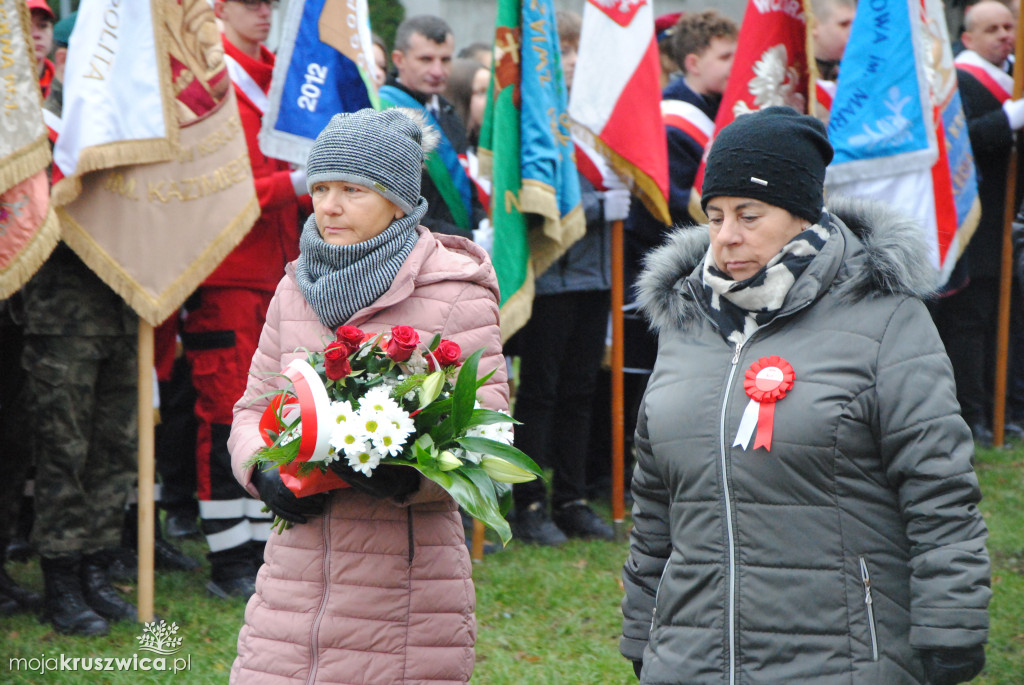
(874, 251)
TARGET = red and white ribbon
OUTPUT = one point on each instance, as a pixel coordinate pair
(766, 382)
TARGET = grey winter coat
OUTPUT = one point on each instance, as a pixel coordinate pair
(856, 539)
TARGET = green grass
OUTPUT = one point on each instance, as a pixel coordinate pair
(544, 615)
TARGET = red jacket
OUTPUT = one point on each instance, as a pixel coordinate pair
(258, 261)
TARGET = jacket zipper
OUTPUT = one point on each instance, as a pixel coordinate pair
(728, 516)
(314, 646)
(657, 591)
(869, 604)
(726, 494)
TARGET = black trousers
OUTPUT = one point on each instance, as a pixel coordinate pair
(967, 323)
(560, 351)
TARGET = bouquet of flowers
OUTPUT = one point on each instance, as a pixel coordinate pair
(373, 399)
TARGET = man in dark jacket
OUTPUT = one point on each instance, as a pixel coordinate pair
(966, 318)
(422, 56)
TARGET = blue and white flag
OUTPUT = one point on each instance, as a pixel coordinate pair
(323, 67)
(898, 128)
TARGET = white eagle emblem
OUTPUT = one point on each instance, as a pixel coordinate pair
(774, 83)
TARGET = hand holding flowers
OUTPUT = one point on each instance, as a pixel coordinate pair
(371, 400)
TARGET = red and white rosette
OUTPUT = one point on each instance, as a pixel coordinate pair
(767, 381)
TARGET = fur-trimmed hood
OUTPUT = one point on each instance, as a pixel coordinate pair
(885, 254)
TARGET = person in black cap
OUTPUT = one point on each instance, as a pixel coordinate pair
(805, 505)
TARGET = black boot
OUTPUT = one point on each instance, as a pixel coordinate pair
(100, 594)
(14, 598)
(165, 555)
(64, 604)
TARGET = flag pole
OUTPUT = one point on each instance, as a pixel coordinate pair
(1006, 273)
(147, 471)
(477, 551)
(618, 402)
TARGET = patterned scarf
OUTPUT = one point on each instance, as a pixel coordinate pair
(740, 307)
(339, 280)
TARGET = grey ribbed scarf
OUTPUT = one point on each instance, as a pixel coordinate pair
(339, 280)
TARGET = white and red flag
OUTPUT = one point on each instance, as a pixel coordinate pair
(157, 186)
(770, 69)
(616, 100)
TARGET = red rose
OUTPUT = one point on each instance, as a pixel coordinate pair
(351, 337)
(447, 353)
(404, 340)
(336, 364)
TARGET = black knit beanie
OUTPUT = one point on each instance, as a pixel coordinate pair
(383, 151)
(775, 155)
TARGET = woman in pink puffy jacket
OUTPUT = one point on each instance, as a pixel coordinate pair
(373, 582)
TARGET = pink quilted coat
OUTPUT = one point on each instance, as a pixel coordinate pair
(371, 592)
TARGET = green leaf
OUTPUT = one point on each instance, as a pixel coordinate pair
(511, 454)
(483, 417)
(472, 489)
(434, 342)
(424, 451)
(431, 388)
(408, 385)
(464, 395)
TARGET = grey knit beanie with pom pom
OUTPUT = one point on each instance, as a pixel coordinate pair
(383, 151)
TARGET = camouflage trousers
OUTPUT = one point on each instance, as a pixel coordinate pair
(83, 395)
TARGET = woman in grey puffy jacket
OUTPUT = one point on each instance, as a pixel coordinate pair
(805, 505)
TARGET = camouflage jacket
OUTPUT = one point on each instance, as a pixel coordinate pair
(65, 298)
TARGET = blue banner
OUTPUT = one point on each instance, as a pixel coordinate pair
(313, 80)
(882, 107)
(547, 145)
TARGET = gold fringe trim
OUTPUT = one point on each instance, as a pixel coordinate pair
(519, 307)
(644, 186)
(485, 162)
(108, 156)
(163, 67)
(24, 163)
(155, 310)
(967, 229)
(546, 248)
(32, 256)
(696, 211)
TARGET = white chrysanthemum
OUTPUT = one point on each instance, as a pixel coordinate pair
(370, 423)
(341, 411)
(402, 422)
(389, 441)
(364, 461)
(378, 399)
(502, 432)
(347, 436)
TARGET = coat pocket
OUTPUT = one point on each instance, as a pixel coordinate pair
(865, 577)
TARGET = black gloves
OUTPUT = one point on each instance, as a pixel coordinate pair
(637, 667)
(394, 482)
(950, 666)
(282, 501)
